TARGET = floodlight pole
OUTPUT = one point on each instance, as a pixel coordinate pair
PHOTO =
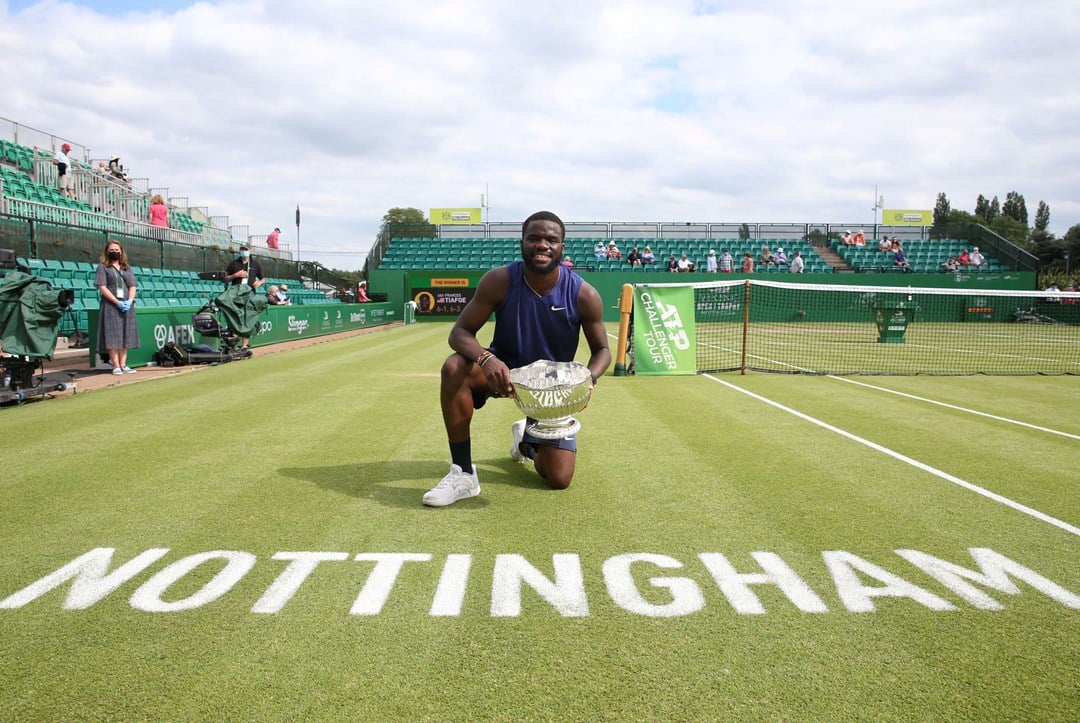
(298, 237)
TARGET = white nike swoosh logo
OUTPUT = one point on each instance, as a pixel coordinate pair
(558, 308)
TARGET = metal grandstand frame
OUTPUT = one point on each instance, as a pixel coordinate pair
(126, 208)
(689, 229)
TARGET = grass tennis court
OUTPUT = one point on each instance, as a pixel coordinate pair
(759, 546)
(944, 348)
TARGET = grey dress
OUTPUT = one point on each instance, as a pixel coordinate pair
(116, 329)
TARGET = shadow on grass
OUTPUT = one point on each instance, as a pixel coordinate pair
(379, 481)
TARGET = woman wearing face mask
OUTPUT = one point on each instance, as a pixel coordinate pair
(117, 329)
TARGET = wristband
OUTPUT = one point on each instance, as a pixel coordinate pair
(483, 358)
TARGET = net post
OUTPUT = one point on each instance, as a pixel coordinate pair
(626, 307)
(745, 324)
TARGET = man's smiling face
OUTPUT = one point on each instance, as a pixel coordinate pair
(542, 246)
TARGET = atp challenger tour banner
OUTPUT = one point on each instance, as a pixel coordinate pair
(664, 330)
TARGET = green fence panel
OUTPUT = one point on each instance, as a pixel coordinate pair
(276, 324)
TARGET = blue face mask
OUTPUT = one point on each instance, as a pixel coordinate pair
(245, 254)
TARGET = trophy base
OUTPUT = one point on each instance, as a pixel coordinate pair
(559, 428)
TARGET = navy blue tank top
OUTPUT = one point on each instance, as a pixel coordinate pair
(528, 327)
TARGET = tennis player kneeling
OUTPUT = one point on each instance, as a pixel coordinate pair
(541, 309)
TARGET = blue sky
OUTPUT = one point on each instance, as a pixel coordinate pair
(110, 7)
(600, 110)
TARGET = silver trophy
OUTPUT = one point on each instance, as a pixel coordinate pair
(550, 392)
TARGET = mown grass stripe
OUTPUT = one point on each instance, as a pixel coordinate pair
(908, 460)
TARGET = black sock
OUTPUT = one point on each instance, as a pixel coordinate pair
(461, 455)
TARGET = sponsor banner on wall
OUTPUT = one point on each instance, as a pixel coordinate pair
(664, 335)
(451, 216)
(906, 217)
(158, 327)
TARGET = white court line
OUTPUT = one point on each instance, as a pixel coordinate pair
(908, 460)
(953, 406)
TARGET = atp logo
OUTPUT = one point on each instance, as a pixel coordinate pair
(676, 332)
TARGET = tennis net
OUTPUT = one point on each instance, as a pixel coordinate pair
(796, 328)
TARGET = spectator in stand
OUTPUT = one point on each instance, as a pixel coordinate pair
(964, 259)
(673, 265)
(884, 245)
(780, 257)
(361, 293)
(1053, 290)
(727, 263)
(747, 263)
(158, 214)
(272, 239)
(847, 238)
(634, 257)
(64, 173)
(1072, 288)
(766, 257)
(899, 259)
(117, 170)
(599, 251)
(950, 265)
(272, 297)
(797, 264)
(684, 265)
(711, 265)
(102, 170)
(895, 246)
(118, 330)
(568, 262)
(859, 239)
(283, 295)
(613, 252)
(976, 258)
(647, 257)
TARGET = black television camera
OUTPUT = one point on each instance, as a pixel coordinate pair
(26, 339)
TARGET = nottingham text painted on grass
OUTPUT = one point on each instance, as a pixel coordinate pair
(630, 580)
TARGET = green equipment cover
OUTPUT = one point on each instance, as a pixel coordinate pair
(241, 307)
(29, 311)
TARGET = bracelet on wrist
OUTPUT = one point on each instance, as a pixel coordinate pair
(483, 358)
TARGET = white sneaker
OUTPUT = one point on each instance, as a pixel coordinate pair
(117, 371)
(128, 370)
(456, 485)
(517, 433)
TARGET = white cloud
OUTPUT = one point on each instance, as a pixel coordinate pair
(641, 110)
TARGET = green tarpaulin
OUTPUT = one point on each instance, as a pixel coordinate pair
(241, 306)
(29, 311)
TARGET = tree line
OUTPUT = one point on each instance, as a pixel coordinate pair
(1057, 256)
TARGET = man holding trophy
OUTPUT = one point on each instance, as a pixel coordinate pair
(541, 308)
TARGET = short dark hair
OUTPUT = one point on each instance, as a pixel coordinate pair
(543, 216)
